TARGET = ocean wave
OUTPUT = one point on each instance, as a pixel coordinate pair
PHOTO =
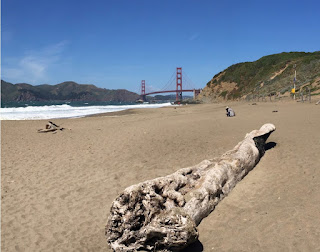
(65, 111)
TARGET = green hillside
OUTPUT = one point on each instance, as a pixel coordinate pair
(270, 74)
(66, 91)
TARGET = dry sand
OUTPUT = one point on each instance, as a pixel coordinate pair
(57, 189)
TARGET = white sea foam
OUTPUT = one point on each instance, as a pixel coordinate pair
(65, 111)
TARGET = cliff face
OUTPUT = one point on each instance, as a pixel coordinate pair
(66, 91)
(268, 75)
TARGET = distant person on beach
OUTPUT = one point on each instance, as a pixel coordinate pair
(230, 112)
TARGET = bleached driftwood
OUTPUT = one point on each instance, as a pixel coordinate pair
(162, 214)
(50, 127)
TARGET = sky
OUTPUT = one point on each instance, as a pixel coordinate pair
(115, 44)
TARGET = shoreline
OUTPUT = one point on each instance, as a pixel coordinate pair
(57, 189)
(62, 112)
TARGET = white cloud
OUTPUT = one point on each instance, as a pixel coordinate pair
(34, 65)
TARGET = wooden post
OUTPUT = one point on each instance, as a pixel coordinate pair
(309, 91)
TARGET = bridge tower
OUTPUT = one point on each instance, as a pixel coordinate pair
(143, 90)
(179, 84)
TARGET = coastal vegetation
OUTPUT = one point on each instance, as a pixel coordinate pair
(267, 76)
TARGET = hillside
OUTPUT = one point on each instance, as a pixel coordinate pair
(269, 75)
(66, 91)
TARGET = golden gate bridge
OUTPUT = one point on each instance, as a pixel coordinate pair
(170, 88)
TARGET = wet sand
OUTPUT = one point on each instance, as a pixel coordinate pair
(57, 189)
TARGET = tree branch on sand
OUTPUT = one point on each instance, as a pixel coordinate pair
(162, 214)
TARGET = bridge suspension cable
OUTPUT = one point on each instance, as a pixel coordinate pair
(187, 82)
(179, 82)
(169, 85)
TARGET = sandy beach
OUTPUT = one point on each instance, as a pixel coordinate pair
(57, 189)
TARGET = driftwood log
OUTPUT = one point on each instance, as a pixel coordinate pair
(50, 127)
(162, 214)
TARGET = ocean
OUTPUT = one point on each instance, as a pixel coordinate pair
(53, 110)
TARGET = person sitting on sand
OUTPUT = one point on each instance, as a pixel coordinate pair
(230, 112)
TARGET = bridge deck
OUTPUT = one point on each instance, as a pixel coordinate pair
(171, 91)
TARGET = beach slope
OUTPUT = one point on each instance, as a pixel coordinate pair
(57, 188)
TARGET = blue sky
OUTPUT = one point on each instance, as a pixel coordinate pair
(117, 43)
